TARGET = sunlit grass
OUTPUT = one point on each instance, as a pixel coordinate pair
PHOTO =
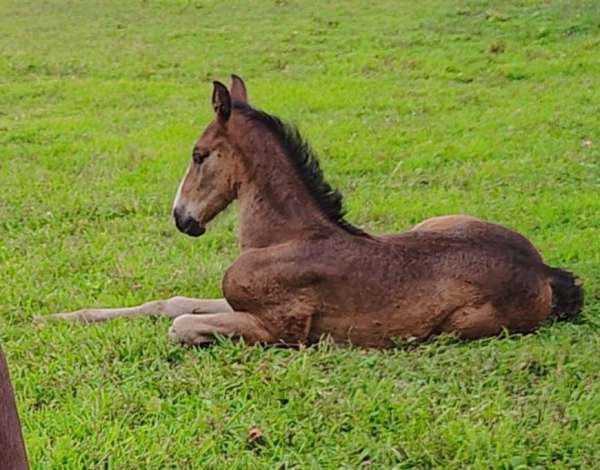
(417, 108)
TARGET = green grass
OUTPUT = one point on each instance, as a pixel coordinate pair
(418, 109)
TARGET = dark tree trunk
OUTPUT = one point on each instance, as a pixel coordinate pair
(12, 448)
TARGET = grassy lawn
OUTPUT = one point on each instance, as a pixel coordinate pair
(417, 108)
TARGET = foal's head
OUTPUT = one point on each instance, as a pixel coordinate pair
(210, 182)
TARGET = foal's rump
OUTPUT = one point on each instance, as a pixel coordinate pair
(480, 231)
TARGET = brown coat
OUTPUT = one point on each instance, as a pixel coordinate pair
(12, 448)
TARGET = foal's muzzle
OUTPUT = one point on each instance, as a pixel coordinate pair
(187, 224)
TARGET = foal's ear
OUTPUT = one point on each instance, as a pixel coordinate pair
(238, 89)
(221, 101)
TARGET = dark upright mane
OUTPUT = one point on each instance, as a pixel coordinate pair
(306, 164)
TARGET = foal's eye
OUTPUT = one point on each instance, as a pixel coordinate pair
(199, 156)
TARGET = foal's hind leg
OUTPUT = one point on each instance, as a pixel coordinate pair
(173, 307)
(200, 330)
(472, 322)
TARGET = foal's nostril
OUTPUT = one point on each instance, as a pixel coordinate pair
(187, 224)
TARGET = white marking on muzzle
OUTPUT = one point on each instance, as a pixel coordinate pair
(179, 188)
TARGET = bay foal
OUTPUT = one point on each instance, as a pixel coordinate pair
(305, 272)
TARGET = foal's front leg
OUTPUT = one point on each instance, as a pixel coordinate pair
(173, 307)
(194, 330)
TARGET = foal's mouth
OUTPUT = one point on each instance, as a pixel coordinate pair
(194, 230)
(189, 225)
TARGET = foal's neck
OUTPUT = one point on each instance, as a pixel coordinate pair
(275, 204)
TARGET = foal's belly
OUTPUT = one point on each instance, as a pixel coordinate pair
(377, 319)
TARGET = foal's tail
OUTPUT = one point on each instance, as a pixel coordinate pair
(567, 294)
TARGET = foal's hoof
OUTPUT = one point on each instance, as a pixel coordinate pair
(179, 334)
(43, 319)
(81, 316)
(39, 320)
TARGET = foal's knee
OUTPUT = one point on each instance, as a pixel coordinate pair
(172, 307)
